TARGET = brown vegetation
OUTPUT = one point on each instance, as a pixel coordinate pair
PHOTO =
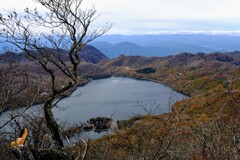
(206, 124)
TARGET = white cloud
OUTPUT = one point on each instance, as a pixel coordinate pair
(141, 16)
(171, 9)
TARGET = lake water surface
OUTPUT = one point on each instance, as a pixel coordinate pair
(119, 97)
(116, 97)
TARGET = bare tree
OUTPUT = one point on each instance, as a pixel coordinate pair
(68, 28)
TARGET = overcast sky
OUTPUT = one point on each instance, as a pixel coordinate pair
(158, 16)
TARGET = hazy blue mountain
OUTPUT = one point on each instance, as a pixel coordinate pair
(124, 48)
(211, 41)
(162, 45)
(131, 49)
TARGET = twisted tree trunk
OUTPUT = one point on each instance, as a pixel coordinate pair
(51, 122)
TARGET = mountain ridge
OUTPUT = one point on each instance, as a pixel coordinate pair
(181, 59)
(88, 54)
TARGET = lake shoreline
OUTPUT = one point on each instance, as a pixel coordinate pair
(125, 94)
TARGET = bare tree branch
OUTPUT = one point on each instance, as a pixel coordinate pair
(66, 27)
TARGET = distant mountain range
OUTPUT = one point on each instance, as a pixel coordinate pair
(88, 54)
(131, 49)
(155, 45)
(162, 45)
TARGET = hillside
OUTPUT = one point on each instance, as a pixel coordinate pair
(92, 55)
(180, 71)
(27, 77)
(181, 59)
(203, 126)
